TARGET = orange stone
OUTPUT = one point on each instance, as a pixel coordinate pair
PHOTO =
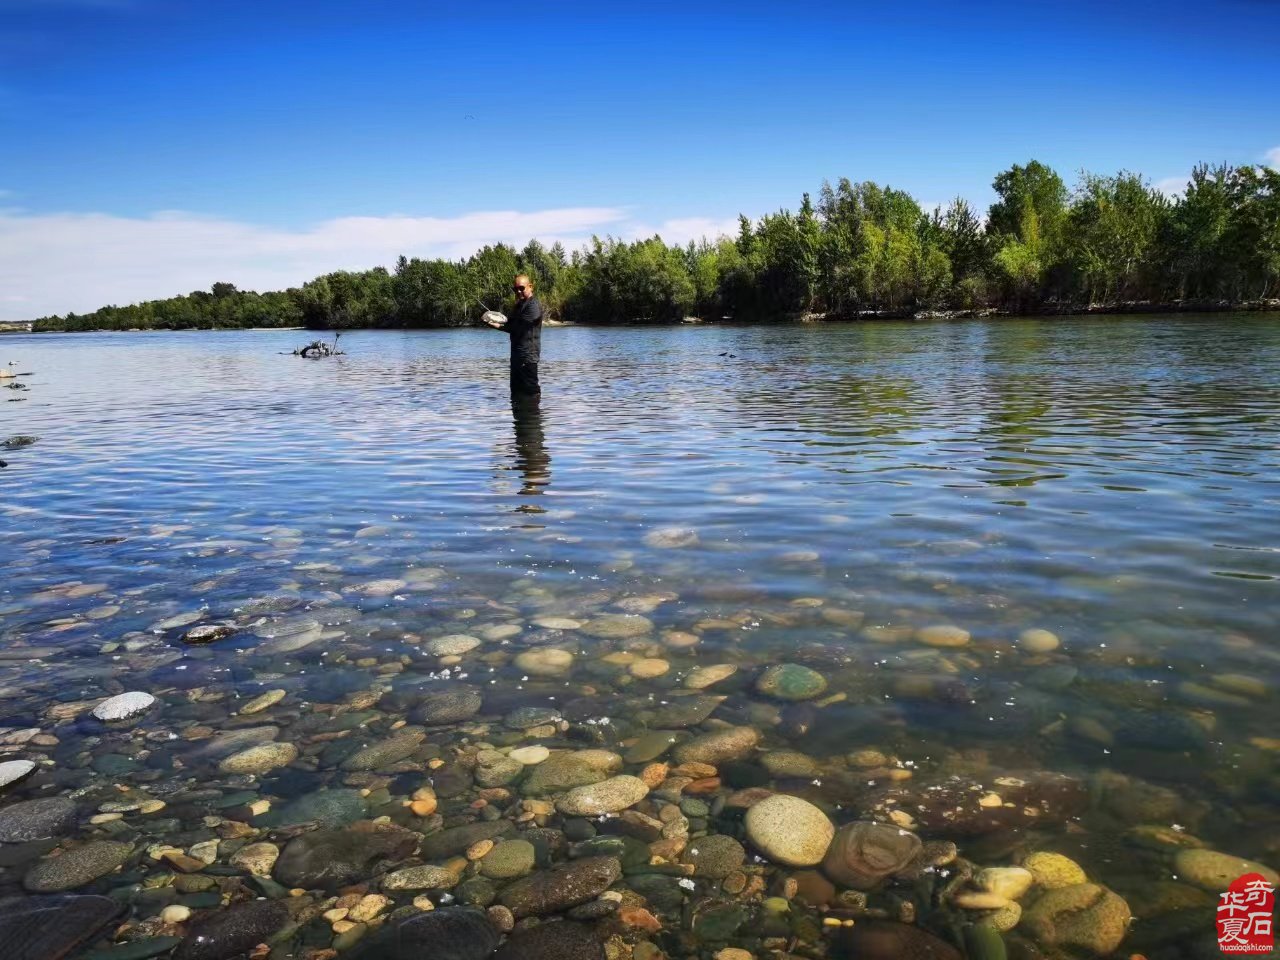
(653, 775)
(639, 918)
(668, 848)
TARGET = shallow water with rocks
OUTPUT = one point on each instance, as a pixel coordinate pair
(898, 640)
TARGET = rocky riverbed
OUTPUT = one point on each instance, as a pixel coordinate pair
(599, 778)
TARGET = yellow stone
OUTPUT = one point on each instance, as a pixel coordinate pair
(648, 668)
(479, 849)
(703, 677)
(943, 635)
(369, 907)
(1053, 870)
(262, 702)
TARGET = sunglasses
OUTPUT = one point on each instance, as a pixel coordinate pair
(518, 286)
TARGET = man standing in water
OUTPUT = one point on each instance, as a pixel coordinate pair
(525, 329)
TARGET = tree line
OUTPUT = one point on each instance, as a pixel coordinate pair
(862, 248)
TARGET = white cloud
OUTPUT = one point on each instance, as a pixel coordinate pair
(681, 230)
(55, 263)
(1272, 157)
(1172, 187)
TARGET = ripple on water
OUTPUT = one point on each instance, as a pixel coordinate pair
(1014, 566)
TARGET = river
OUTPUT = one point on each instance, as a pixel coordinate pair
(1030, 560)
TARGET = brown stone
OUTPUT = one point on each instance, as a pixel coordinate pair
(863, 853)
(703, 787)
(184, 863)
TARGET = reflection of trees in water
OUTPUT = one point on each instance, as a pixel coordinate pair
(1008, 403)
(1068, 401)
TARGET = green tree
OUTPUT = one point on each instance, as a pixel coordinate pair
(1114, 225)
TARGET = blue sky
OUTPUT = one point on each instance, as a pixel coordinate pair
(165, 144)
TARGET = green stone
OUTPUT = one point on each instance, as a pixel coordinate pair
(791, 681)
(202, 901)
(650, 746)
(718, 920)
(348, 939)
(984, 943)
(630, 852)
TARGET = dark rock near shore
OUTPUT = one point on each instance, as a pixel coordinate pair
(330, 808)
(328, 859)
(885, 940)
(76, 867)
(563, 886)
(447, 706)
(450, 933)
(451, 842)
(384, 753)
(52, 927)
(561, 940)
(37, 819)
(229, 933)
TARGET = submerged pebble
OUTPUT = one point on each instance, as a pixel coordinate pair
(124, 705)
(789, 830)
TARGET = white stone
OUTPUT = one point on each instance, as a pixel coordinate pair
(530, 755)
(11, 771)
(452, 645)
(123, 706)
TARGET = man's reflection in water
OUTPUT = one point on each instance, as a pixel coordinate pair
(532, 459)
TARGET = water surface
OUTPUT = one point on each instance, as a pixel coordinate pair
(830, 490)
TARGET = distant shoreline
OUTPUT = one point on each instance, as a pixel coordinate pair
(1132, 308)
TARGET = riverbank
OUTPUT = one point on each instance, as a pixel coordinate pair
(1117, 308)
(1063, 311)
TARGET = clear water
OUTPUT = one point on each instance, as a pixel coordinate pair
(1113, 481)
